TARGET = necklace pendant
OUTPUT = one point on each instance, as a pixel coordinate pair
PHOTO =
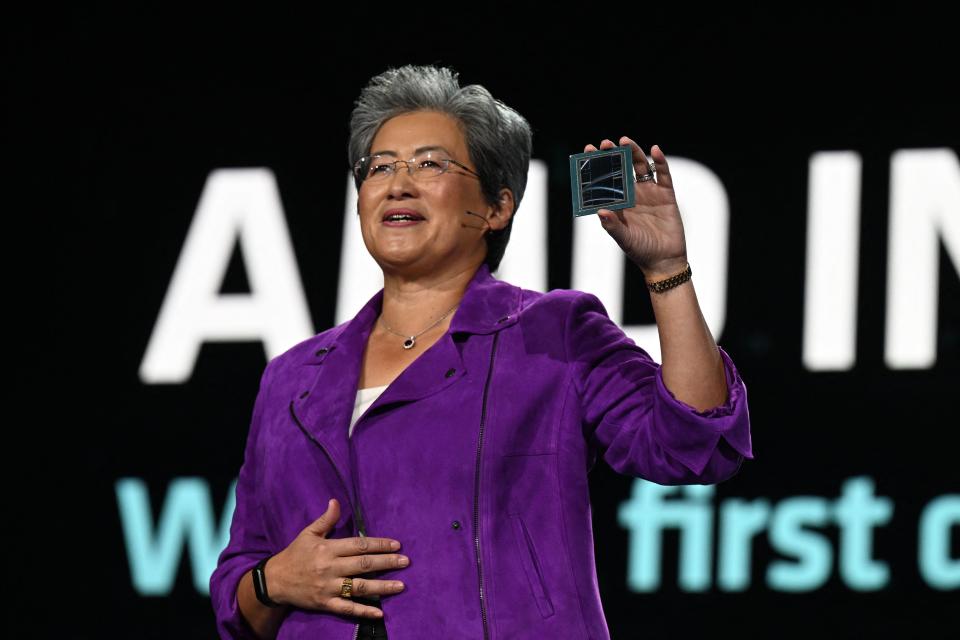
(409, 342)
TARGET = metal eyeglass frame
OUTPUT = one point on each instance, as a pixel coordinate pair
(409, 165)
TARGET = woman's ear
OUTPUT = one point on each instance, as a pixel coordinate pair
(500, 213)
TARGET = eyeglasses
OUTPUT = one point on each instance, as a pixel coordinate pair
(424, 166)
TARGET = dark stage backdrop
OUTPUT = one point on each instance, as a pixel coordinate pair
(182, 211)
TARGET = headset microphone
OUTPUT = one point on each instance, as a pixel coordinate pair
(479, 216)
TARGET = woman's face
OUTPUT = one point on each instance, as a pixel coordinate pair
(447, 238)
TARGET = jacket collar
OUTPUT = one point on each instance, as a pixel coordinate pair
(488, 305)
(324, 403)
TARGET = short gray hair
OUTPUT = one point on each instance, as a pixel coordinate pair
(498, 138)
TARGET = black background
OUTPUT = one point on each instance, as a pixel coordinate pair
(113, 120)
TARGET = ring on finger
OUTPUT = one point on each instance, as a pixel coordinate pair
(650, 174)
(346, 588)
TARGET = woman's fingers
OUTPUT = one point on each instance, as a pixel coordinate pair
(355, 565)
(640, 163)
(361, 554)
(606, 144)
(362, 544)
(364, 588)
(347, 607)
(663, 169)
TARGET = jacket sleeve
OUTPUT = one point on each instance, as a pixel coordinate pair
(248, 541)
(635, 423)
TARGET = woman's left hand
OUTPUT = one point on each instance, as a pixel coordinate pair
(651, 231)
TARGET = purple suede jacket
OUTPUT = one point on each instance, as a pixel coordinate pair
(475, 458)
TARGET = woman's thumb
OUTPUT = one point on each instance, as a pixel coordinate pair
(325, 523)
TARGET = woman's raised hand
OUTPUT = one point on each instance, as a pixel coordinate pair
(651, 231)
(310, 571)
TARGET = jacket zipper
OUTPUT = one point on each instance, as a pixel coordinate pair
(361, 529)
(356, 510)
(476, 492)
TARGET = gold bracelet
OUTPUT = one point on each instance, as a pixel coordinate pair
(662, 285)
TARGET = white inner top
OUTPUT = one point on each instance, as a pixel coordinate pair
(365, 398)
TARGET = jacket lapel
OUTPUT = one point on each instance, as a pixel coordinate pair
(325, 403)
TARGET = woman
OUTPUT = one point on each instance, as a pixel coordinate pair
(444, 435)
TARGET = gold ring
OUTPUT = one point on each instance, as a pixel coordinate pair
(346, 589)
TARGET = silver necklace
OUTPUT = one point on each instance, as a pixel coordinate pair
(412, 340)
